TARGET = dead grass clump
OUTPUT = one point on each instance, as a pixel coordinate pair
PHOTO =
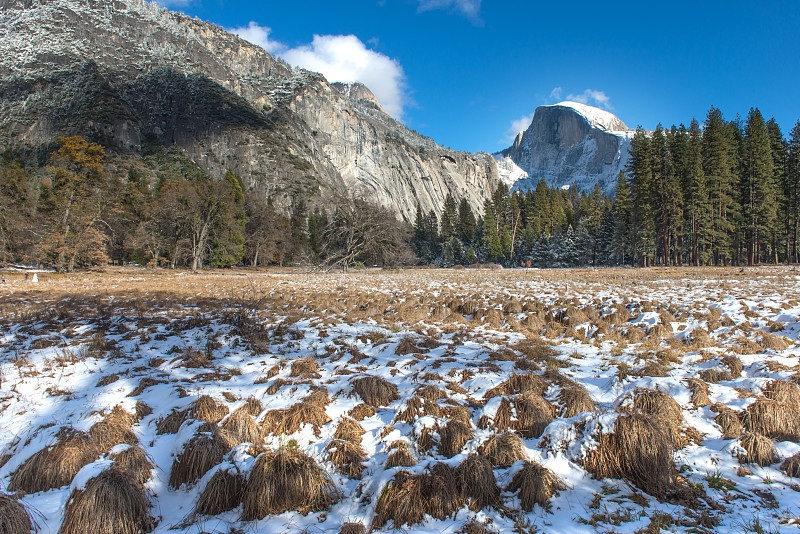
(664, 408)
(639, 450)
(474, 527)
(223, 493)
(533, 414)
(734, 364)
(458, 412)
(502, 450)
(758, 449)
(712, 376)
(401, 457)
(353, 528)
(408, 498)
(771, 341)
(145, 383)
(729, 422)
(135, 462)
(347, 457)
(106, 435)
(305, 368)
(699, 391)
(56, 465)
(349, 430)
(406, 346)
(785, 392)
(416, 407)
(745, 345)
(242, 427)
(791, 466)
(289, 420)
(112, 501)
(14, 518)
(574, 399)
(375, 391)
(453, 436)
(431, 393)
(776, 420)
(209, 410)
(655, 369)
(253, 406)
(108, 379)
(361, 411)
(142, 410)
(476, 482)
(287, 480)
(199, 454)
(536, 485)
(697, 339)
(172, 423)
(518, 383)
(468, 307)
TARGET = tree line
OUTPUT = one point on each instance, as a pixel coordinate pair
(724, 194)
(83, 207)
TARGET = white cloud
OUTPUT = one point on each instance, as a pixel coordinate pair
(344, 58)
(517, 126)
(593, 98)
(555, 94)
(340, 58)
(258, 35)
(469, 8)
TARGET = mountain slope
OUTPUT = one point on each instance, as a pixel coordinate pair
(569, 144)
(123, 71)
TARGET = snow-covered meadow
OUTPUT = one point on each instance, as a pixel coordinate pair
(543, 375)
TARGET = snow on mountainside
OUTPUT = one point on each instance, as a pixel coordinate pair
(122, 71)
(569, 144)
(598, 118)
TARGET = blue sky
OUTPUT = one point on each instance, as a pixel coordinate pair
(470, 73)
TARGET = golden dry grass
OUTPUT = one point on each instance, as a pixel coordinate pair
(112, 501)
(285, 480)
(14, 518)
(56, 465)
(502, 450)
(224, 492)
(536, 485)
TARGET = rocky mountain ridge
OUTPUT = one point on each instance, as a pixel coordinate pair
(568, 144)
(120, 71)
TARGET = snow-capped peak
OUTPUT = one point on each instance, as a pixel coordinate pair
(597, 117)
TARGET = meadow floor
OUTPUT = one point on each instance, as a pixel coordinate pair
(558, 401)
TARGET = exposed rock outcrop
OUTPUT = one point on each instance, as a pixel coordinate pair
(571, 144)
(124, 71)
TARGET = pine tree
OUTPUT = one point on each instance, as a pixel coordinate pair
(450, 223)
(698, 206)
(779, 149)
(759, 196)
(491, 239)
(793, 191)
(622, 221)
(640, 176)
(466, 222)
(718, 169)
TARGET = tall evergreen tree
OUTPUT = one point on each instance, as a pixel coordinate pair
(759, 194)
(698, 205)
(640, 176)
(793, 190)
(449, 224)
(466, 222)
(718, 169)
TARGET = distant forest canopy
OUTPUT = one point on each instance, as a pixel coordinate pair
(726, 193)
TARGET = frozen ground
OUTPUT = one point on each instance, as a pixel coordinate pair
(74, 347)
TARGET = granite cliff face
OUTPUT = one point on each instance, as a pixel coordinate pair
(569, 144)
(123, 71)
